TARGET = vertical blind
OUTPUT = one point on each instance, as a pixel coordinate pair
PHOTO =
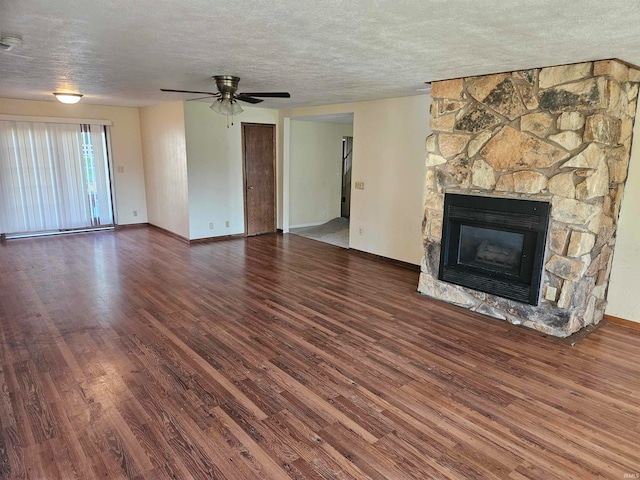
(53, 176)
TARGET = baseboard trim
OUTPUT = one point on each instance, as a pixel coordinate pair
(217, 239)
(622, 321)
(305, 225)
(393, 261)
(128, 226)
(169, 233)
(54, 233)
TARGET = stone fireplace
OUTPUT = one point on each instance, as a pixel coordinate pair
(556, 136)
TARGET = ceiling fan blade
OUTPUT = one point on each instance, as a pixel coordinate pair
(246, 98)
(268, 94)
(199, 98)
(212, 94)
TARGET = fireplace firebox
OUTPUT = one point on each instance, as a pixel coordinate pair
(494, 245)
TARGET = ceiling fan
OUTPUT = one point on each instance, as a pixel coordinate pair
(226, 96)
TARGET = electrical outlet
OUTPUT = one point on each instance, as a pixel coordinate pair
(359, 185)
(226, 224)
(120, 169)
(135, 213)
(361, 231)
(211, 226)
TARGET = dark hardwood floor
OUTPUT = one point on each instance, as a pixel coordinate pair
(129, 354)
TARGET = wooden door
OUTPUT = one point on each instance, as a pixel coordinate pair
(259, 158)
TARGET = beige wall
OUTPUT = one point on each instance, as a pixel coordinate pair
(624, 285)
(214, 168)
(129, 186)
(315, 171)
(389, 145)
(165, 166)
(389, 157)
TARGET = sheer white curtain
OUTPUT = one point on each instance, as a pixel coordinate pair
(53, 176)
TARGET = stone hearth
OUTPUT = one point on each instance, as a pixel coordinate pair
(558, 134)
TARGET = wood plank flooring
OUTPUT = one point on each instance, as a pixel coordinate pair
(129, 354)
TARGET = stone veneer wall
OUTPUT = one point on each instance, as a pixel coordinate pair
(560, 134)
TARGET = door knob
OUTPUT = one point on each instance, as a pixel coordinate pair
(249, 188)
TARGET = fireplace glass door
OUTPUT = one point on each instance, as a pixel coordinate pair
(495, 250)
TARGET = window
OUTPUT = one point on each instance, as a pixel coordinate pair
(53, 177)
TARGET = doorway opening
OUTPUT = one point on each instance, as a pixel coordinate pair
(347, 159)
(320, 173)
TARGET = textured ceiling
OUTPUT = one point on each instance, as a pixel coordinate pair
(121, 52)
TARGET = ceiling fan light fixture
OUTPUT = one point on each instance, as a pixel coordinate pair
(236, 109)
(68, 98)
(217, 107)
(227, 107)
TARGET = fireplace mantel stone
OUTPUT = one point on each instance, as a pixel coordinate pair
(560, 134)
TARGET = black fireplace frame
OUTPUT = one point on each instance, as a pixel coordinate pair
(527, 217)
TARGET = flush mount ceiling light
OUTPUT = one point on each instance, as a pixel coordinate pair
(68, 98)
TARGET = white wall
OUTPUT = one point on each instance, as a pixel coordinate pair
(129, 186)
(624, 284)
(389, 157)
(315, 173)
(214, 166)
(165, 166)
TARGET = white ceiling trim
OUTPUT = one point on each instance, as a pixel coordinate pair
(343, 118)
(79, 121)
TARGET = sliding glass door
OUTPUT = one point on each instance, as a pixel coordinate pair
(53, 177)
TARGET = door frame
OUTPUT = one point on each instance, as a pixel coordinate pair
(343, 184)
(244, 175)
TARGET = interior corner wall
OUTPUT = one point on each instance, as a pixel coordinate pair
(389, 157)
(624, 283)
(214, 168)
(165, 166)
(315, 171)
(282, 172)
(126, 148)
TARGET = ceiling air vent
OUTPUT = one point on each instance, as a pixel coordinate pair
(7, 42)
